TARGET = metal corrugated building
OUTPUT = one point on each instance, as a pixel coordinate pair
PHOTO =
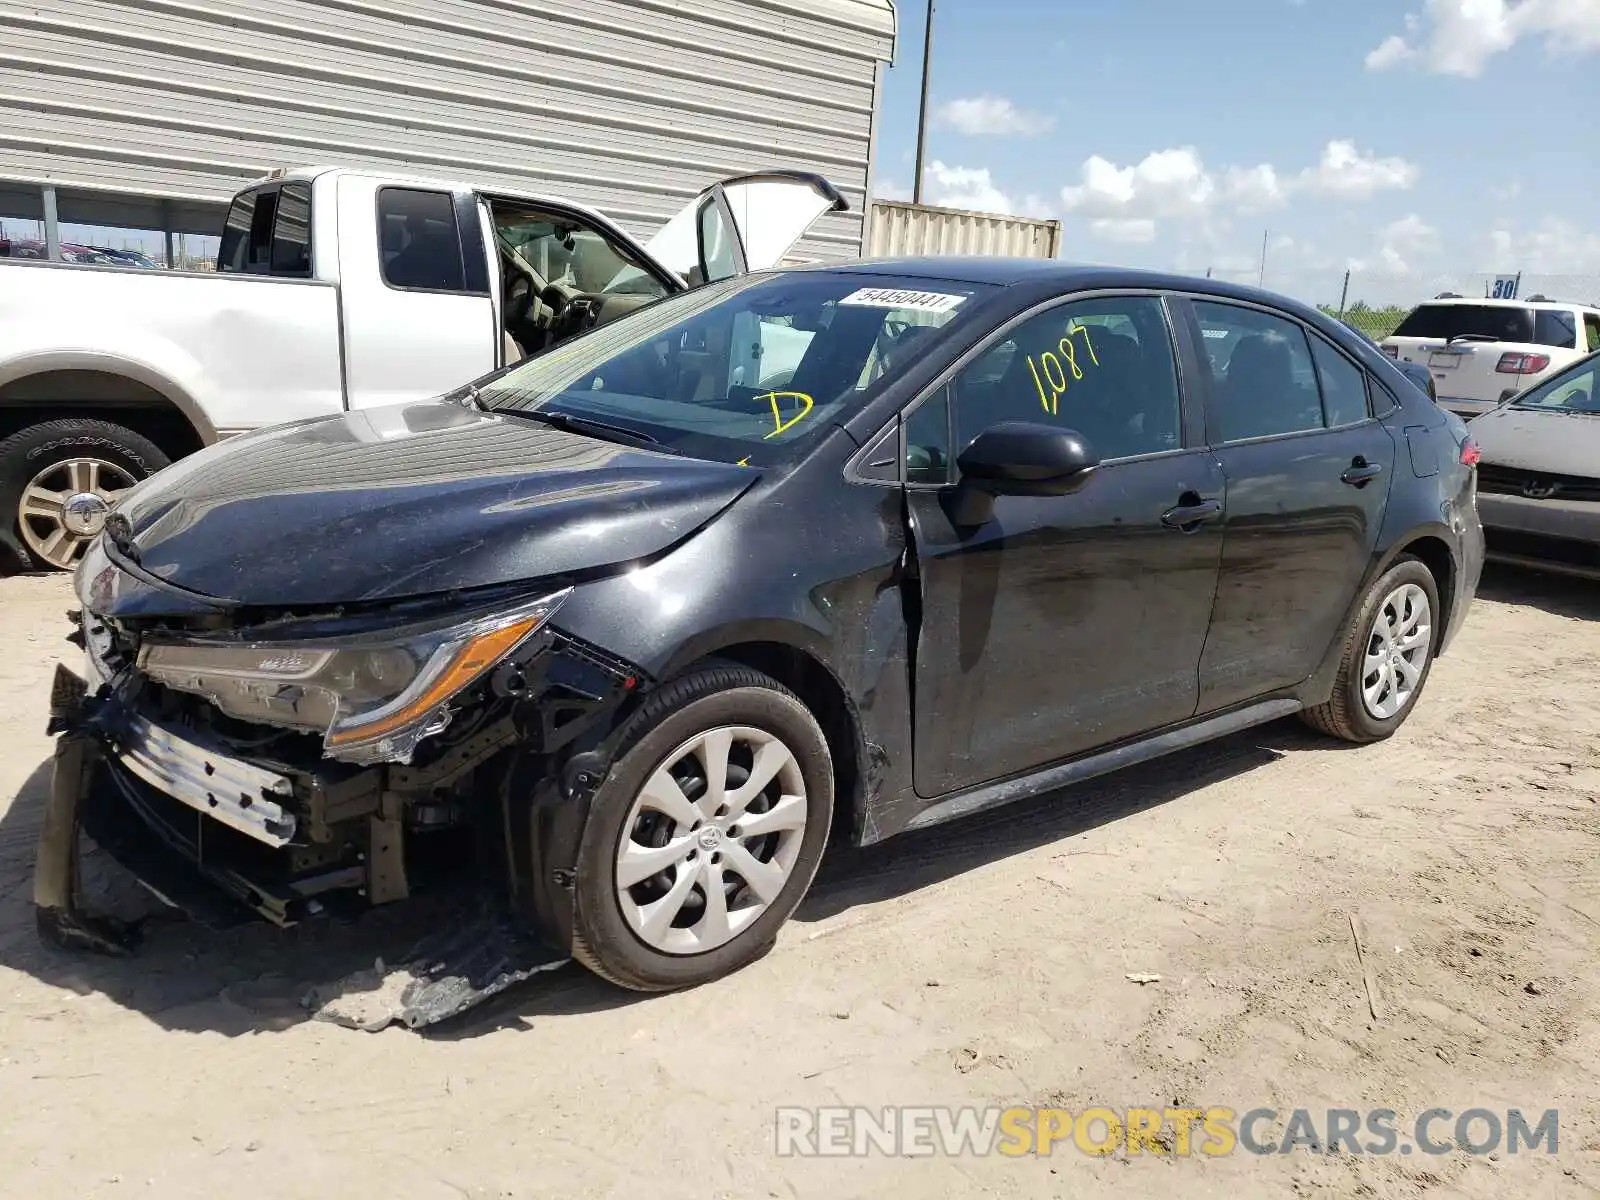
(151, 113)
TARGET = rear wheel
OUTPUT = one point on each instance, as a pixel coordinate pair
(60, 479)
(1387, 657)
(705, 834)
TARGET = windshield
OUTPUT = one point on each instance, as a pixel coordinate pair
(741, 371)
(1573, 391)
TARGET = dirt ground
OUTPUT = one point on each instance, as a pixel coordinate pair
(983, 963)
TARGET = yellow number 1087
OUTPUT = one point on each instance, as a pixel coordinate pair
(1052, 376)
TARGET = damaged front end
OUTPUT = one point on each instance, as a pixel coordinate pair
(295, 764)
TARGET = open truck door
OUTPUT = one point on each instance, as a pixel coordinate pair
(746, 223)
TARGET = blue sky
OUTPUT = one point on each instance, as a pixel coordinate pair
(1396, 138)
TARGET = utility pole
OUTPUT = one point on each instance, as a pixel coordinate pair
(1261, 279)
(922, 112)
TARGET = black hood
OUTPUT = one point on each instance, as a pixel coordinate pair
(409, 500)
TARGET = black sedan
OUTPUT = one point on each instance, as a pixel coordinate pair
(629, 628)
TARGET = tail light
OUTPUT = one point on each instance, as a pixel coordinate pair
(1470, 454)
(1522, 364)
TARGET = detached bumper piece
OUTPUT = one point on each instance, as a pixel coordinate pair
(444, 975)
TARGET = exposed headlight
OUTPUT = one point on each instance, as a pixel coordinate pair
(372, 697)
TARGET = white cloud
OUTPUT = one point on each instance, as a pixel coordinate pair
(888, 189)
(1393, 49)
(1459, 37)
(1346, 172)
(1176, 184)
(1167, 183)
(992, 116)
(1401, 242)
(964, 187)
(1252, 189)
(1551, 247)
(1125, 231)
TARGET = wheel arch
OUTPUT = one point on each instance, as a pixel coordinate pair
(1429, 543)
(57, 384)
(806, 674)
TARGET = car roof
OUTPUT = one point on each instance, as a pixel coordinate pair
(429, 183)
(1059, 273)
(1491, 302)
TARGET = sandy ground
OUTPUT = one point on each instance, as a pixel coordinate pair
(984, 963)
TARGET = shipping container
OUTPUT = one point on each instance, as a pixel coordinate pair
(913, 230)
(150, 114)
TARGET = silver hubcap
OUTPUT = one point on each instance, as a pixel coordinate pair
(711, 840)
(1397, 651)
(66, 504)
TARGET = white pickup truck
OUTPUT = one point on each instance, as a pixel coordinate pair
(334, 289)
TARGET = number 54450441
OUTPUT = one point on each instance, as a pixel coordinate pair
(1052, 376)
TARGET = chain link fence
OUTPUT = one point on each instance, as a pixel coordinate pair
(1375, 303)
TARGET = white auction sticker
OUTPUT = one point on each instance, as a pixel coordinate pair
(928, 302)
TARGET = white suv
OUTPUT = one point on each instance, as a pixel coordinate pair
(1481, 351)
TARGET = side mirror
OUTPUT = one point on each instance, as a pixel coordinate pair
(1017, 458)
(1508, 394)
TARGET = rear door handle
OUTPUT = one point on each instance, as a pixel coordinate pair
(1189, 517)
(1361, 472)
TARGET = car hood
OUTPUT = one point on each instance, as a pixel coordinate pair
(409, 500)
(1552, 442)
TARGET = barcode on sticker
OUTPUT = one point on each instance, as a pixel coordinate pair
(929, 302)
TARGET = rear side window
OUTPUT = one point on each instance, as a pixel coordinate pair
(1494, 322)
(291, 233)
(247, 234)
(1555, 327)
(419, 245)
(1344, 385)
(1264, 382)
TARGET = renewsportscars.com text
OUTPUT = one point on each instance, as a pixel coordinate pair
(850, 1132)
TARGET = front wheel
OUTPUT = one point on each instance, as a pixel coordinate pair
(1387, 657)
(706, 833)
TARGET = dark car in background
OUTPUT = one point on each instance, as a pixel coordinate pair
(850, 550)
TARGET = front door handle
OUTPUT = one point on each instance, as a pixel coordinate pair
(1361, 472)
(1188, 517)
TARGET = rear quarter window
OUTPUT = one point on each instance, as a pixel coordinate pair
(1555, 327)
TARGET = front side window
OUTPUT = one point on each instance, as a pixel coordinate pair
(1103, 368)
(577, 259)
(746, 371)
(1591, 330)
(1264, 382)
(419, 245)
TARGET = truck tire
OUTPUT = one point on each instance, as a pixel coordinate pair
(58, 481)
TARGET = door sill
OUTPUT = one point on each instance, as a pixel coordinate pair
(993, 795)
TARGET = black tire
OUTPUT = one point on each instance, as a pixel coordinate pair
(27, 452)
(1345, 715)
(716, 695)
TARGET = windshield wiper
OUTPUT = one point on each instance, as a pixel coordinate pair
(603, 430)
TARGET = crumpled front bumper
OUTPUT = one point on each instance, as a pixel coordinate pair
(98, 787)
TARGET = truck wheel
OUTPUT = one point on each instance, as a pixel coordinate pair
(59, 479)
(705, 833)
